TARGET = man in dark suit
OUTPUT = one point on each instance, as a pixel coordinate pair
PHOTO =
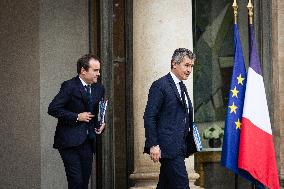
(76, 107)
(168, 122)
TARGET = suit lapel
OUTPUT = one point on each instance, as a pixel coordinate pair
(82, 91)
(189, 101)
(94, 92)
(174, 87)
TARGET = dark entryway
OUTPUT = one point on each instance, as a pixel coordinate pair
(111, 40)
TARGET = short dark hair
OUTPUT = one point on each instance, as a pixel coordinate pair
(180, 53)
(83, 62)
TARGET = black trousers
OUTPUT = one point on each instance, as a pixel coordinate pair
(78, 164)
(173, 174)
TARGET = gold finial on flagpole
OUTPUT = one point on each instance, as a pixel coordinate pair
(235, 7)
(250, 12)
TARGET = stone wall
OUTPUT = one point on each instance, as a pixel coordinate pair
(20, 95)
(40, 44)
(278, 82)
(63, 38)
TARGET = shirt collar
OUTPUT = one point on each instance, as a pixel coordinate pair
(83, 82)
(176, 80)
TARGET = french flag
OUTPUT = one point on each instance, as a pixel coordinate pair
(256, 149)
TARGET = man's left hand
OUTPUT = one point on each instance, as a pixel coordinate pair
(155, 153)
(100, 130)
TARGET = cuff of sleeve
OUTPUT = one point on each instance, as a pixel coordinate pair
(74, 117)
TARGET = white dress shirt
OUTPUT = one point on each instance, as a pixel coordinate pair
(177, 80)
(84, 84)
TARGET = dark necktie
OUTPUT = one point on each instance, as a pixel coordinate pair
(88, 88)
(90, 132)
(186, 119)
(182, 93)
(90, 99)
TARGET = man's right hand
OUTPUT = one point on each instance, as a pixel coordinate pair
(85, 116)
(155, 153)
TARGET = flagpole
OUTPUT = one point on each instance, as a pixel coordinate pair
(236, 181)
(250, 14)
(235, 8)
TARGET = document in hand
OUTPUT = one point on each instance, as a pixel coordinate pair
(102, 111)
(193, 141)
(197, 138)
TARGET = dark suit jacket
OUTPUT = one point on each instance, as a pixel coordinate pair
(164, 119)
(67, 104)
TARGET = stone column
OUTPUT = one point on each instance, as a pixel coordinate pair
(159, 27)
(278, 84)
